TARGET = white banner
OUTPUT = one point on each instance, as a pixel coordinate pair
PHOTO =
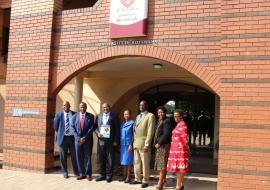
(128, 18)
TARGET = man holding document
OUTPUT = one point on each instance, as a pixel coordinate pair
(107, 133)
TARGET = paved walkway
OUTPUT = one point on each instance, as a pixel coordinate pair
(14, 180)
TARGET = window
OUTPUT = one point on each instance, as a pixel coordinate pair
(77, 4)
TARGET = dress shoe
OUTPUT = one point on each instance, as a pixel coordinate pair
(109, 179)
(100, 178)
(81, 177)
(144, 185)
(66, 175)
(89, 178)
(122, 179)
(135, 182)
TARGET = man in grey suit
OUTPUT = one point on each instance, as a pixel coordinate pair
(107, 133)
(64, 138)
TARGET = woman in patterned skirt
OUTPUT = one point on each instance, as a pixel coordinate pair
(178, 157)
(162, 141)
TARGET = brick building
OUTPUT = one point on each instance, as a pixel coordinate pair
(61, 50)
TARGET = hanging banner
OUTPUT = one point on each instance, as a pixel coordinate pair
(128, 18)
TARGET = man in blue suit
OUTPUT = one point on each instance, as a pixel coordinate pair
(108, 136)
(82, 129)
(64, 138)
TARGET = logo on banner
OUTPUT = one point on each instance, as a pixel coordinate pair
(128, 18)
(127, 3)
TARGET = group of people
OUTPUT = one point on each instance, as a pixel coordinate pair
(136, 138)
(201, 126)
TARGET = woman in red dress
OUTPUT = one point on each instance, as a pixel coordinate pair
(178, 157)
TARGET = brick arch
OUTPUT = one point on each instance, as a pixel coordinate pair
(98, 56)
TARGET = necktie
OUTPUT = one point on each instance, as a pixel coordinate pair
(82, 121)
(138, 119)
(67, 130)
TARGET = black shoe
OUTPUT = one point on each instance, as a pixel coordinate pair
(66, 175)
(109, 179)
(135, 182)
(101, 178)
(122, 179)
(144, 185)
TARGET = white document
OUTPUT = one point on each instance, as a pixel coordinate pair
(105, 131)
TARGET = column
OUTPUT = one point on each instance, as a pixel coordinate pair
(78, 92)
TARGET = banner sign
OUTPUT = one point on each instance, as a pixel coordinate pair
(128, 18)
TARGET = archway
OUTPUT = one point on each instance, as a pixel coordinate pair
(63, 76)
(102, 68)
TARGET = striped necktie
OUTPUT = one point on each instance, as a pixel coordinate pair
(67, 126)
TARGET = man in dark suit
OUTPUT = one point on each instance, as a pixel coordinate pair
(82, 129)
(107, 133)
(64, 138)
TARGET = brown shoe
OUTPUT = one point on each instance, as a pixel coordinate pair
(81, 177)
(89, 178)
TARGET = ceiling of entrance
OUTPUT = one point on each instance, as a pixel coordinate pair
(140, 68)
(130, 63)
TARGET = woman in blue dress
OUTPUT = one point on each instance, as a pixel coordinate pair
(126, 151)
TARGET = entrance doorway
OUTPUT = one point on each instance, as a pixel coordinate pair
(198, 105)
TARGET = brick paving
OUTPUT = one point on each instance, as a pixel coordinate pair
(16, 180)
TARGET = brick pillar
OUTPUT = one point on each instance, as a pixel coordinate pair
(29, 109)
(244, 153)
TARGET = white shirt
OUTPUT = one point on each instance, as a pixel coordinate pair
(140, 116)
(81, 115)
(105, 118)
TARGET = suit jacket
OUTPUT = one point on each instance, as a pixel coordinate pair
(114, 131)
(89, 127)
(144, 130)
(164, 132)
(59, 126)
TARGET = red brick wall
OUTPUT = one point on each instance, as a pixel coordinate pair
(28, 140)
(244, 159)
(224, 43)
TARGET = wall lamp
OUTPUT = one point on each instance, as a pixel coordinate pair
(157, 65)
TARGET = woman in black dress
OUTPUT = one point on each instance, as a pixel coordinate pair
(162, 141)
